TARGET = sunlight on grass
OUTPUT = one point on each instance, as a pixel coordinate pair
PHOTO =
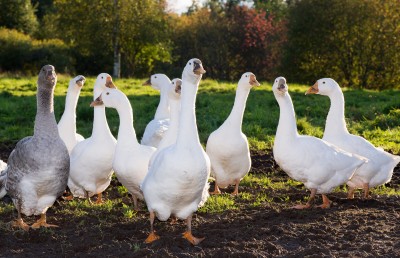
(218, 204)
(6, 208)
(260, 199)
(253, 180)
(128, 211)
(384, 190)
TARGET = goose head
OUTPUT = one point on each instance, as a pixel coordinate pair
(76, 83)
(174, 91)
(248, 81)
(112, 97)
(324, 86)
(103, 81)
(280, 88)
(47, 77)
(193, 70)
(158, 81)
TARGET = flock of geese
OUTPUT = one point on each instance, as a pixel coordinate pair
(169, 169)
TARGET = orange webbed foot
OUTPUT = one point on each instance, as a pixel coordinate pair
(151, 238)
(68, 198)
(193, 240)
(19, 223)
(302, 206)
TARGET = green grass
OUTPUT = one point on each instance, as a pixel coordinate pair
(371, 114)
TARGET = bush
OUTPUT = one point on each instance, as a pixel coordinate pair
(20, 53)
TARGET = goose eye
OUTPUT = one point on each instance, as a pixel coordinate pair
(102, 77)
(173, 82)
(107, 93)
(190, 63)
(323, 82)
(155, 77)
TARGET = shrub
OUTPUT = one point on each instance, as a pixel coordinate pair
(21, 53)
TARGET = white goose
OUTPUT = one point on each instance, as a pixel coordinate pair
(131, 159)
(174, 100)
(321, 166)
(91, 159)
(227, 146)
(37, 169)
(176, 183)
(157, 127)
(379, 169)
(3, 177)
(67, 123)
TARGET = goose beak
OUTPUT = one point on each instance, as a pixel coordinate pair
(109, 83)
(80, 81)
(97, 102)
(148, 82)
(313, 89)
(198, 69)
(253, 81)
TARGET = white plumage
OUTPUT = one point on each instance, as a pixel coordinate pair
(176, 183)
(156, 128)
(131, 159)
(318, 164)
(67, 123)
(379, 169)
(91, 159)
(227, 146)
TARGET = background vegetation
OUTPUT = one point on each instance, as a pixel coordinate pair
(355, 42)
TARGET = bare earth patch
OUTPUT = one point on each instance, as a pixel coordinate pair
(350, 228)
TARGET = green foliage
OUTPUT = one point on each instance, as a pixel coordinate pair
(21, 53)
(218, 204)
(327, 39)
(18, 15)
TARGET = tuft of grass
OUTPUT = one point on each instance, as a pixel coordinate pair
(218, 203)
(260, 199)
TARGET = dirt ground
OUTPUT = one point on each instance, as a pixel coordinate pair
(350, 228)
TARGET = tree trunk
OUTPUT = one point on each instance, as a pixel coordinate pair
(117, 53)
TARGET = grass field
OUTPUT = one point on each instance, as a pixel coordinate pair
(256, 223)
(374, 115)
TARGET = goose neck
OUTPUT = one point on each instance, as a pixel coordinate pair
(335, 121)
(287, 128)
(162, 111)
(126, 131)
(235, 118)
(187, 119)
(100, 125)
(45, 121)
(71, 101)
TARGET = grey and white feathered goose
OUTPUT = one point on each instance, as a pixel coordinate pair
(37, 169)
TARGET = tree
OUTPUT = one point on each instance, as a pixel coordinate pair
(19, 15)
(100, 30)
(327, 39)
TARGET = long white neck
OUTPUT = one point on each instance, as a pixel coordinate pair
(188, 134)
(100, 125)
(45, 121)
(68, 118)
(126, 131)
(335, 122)
(172, 132)
(162, 111)
(287, 128)
(235, 118)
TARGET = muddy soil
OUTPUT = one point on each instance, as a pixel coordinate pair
(350, 228)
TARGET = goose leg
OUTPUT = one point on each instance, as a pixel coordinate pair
(350, 194)
(309, 202)
(326, 203)
(366, 191)
(188, 234)
(236, 191)
(135, 203)
(216, 189)
(42, 222)
(152, 236)
(87, 197)
(99, 198)
(19, 222)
